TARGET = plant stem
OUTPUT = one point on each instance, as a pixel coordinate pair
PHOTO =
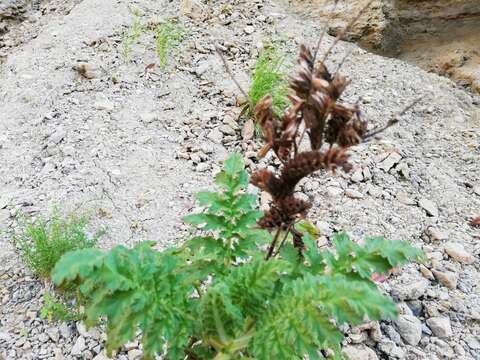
(272, 245)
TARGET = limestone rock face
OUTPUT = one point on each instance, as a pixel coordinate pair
(438, 35)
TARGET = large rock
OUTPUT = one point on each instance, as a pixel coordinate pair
(438, 35)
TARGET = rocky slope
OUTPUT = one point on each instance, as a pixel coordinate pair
(438, 35)
(132, 146)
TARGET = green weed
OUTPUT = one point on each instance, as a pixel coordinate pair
(42, 243)
(167, 35)
(269, 78)
(54, 310)
(132, 35)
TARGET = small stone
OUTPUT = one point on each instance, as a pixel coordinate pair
(78, 347)
(446, 278)
(203, 67)
(429, 206)
(391, 349)
(440, 326)
(436, 235)
(65, 331)
(426, 273)
(149, 117)
(215, 135)
(53, 334)
(248, 130)
(324, 228)
(353, 194)
(409, 328)
(101, 356)
(106, 105)
(412, 290)
(134, 354)
(357, 176)
(192, 8)
(390, 161)
(227, 130)
(472, 342)
(359, 352)
(476, 190)
(458, 253)
(131, 345)
(249, 29)
(334, 191)
(58, 136)
(202, 167)
(88, 71)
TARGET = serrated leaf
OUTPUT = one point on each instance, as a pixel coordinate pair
(234, 165)
(210, 221)
(79, 263)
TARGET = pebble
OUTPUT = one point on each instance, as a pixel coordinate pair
(353, 194)
(458, 253)
(58, 136)
(149, 117)
(334, 191)
(357, 176)
(411, 291)
(429, 206)
(202, 167)
(359, 352)
(440, 326)
(106, 105)
(390, 161)
(78, 347)
(215, 135)
(249, 29)
(446, 278)
(435, 234)
(409, 328)
(389, 348)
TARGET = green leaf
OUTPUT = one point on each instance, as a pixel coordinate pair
(211, 222)
(234, 165)
(79, 263)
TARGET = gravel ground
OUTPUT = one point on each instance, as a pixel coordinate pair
(132, 146)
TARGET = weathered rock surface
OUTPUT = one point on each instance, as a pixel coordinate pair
(438, 35)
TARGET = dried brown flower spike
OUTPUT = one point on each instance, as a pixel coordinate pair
(315, 110)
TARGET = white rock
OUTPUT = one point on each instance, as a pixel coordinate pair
(78, 347)
(409, 328)
(134, 354)
(412, 291)
(429, 206)
(149, 117)
(215, 135)
(440, 326)
(390, 161)
(334, 191)
(249, 29)
(58, 136)
(357, 176)
(353, 194)
(202, 167)
(359, 352)
(457, 252)
(436, 235)
(226, 129)
(106, 105)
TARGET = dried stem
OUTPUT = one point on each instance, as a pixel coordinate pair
(230, 73)
(345, 29)
(283, 240)
(394, 120)
(272, 245)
